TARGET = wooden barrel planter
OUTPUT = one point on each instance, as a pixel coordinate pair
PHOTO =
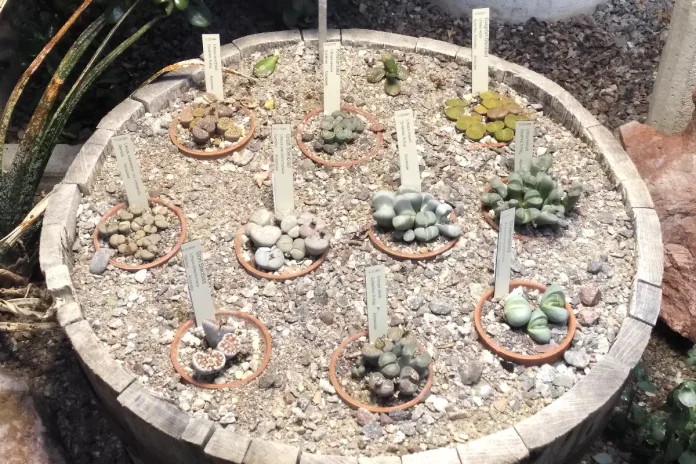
(157, 431)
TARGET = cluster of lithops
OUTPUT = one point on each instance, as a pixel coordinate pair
(519, 313)
(391, 71)
(489, 113)
(292, 237)
(413, 215)
(135, 231)
(536, 197)
(224, 347)
(211, 123)
(393, 364)
(336, 131)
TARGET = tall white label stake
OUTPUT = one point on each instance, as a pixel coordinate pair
(503, 253)
(130, 170)
(376, 283)
(332, 77)
(479, 50)
(322, 30)
(213, 65)
(198, 283)
(524, 144)
(408, 154)
(283, 189)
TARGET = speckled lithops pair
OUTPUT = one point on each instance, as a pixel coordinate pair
(224, 347)
(277, 240)
(518, 313)
(135, 231)
(211, 123)
(413, 215)
(394, 364)
(336, 132)
(489, 113)
(537, 198)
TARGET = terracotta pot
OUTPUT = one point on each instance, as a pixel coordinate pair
(490, 145)
(370, 407)
(412, 256)
(340, 164)
(251, 268)
(174, 351)
(219, 153)
(494, 224)
(162, 259)
(523, 359)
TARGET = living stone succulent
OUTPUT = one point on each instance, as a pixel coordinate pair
(337, 131)
(552, 304)
(211, 123)
(536, 197)
(394, 363)
(231, 347)
(489, 113)
(538, 327)
(413, 215)
(208, 362)
(518, 313)
(136, 231)
(391, 71)
(214, 331)
(278, 240)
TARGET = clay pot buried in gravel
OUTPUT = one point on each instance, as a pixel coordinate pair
(417, 255)
(547, 357)
(340, 366)
(158, 260)
(310, 152)
(196, 153)
(245, 317)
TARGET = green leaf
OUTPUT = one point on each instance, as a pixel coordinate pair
(646, 386)
(181, 5)
(639, 372)
(658, 431)
(169, 7)
(198, 14)
(687, 397)
(638, 415)
(687, 457)
(678, 419)
(266, 66)
(675, 448)
(691, 362)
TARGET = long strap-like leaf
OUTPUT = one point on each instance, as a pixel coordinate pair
(24, 78)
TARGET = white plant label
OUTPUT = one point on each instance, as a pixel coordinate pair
(479, 50)
(130, 170)
(283, 189)
(524, 144)
(321, 36)
(213, 65)
(332, 77)
(376, 283)
(503, 253)
(408, 153)
(198, 283)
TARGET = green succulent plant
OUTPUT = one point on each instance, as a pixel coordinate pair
(413, 215)
(337, 131)
(266, 66)
(391, 71)
(552, 304)
(393, 364)
(489, 113)
(538, 327)
(518, 313)
(538, 199)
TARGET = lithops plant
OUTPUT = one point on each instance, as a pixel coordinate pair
(537, 198)
(391, 71)
(538, 327)
(517, 311)
(212, 123)
(208, 362)
(231, 347)
(336, 132)
(488, 113)
(393, 364)
(413, 215)
(276, 242)
(214, 331)
(552, 304)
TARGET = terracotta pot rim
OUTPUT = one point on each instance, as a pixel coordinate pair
(339, 164)
(162, 259)
(523, 359)
(412, 256)
(333, 377)
(219, 153)
(494, 224)
(174, 351)
(250, 267)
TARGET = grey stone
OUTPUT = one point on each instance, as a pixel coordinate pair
(595, 266)
(267, 380)
(470, 372)
(577, 358)
(266, 236)
(262, 217)
(440, 308)
(316, 245)
(373, 430)
(100, 260)
(415, 301)
(243, 158)
(269, 259)
(326, 317)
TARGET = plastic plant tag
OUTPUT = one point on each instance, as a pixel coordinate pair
(283, 189)
(376, 284)
(332, 77)
(408, 153)
(321, 36)
(524, 144)
(128, 166)
(479, 50)
(198, 283)
(213, 65)
(503, 254)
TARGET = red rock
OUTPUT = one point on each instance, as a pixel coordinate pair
(590, 295)
(588, 317)
(667, 164)
(365, 417)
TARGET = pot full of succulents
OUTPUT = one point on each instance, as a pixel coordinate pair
(141, 236)
(410, 216)
(389, 70)
(487, 114)
(538, 199)
(290, 246)
(515, 329)
(394, 372)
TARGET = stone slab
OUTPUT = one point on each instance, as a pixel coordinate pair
(68, 313)
(158, 95)
(649, 252)
(270, 452)
(430, 47)
(56, 248)
(227, 446)
(127, 111)
(440, 456)
(378, 40)
(311, 36)
(266, 41)
(504, 447)
(86, 167)
(380, 460)
(62, 210)
(631, 341)
(645, 302)
(307, 458)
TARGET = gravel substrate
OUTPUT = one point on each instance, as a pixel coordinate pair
(474, 393)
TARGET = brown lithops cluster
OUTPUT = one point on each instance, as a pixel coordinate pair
(135, 231)
(211, 123)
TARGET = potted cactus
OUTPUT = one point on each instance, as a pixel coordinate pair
(410, 217)
(518, 332)
(489, 113)
(391, 72)
(394, 372)
(537, 198)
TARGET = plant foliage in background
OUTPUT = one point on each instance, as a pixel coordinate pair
(294, 13)
(664, 436)
(18, 186)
